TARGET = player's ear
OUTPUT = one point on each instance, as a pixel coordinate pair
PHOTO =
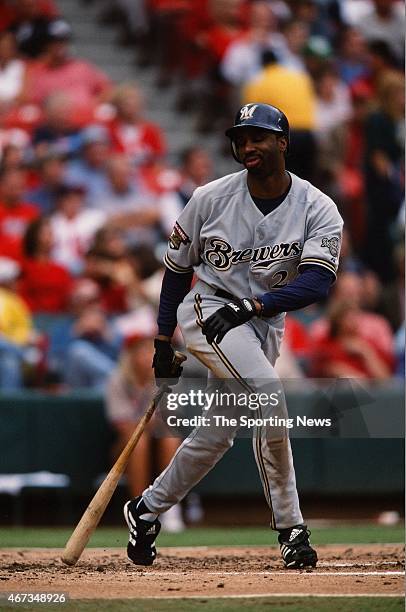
(283, 144)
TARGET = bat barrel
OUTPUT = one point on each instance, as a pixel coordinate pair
(92, 515)
(90, 519)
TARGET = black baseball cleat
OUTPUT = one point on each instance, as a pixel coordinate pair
(141, 545)
(295, 548)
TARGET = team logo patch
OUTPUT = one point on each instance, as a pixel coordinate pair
(247, 111)
(332, 244)
(178, 237)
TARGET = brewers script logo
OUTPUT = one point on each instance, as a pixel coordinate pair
(247, 111)
(332, 244)
(221, 255)
(178, 237)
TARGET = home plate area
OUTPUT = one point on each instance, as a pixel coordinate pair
(370, 569)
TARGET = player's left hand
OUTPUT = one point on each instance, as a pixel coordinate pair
(227, 317)
(166, 363)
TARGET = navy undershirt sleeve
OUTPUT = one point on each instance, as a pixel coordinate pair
(174, 288)
(312, 285)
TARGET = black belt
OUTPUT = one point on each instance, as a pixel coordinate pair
(224, 294)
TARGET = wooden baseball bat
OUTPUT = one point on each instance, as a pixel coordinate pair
(95, 510)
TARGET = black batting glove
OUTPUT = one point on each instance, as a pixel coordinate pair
(164, 363)
(231, 315)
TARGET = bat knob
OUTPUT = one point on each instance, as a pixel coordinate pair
(179, 358)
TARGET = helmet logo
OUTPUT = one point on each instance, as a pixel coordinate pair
(247, 111)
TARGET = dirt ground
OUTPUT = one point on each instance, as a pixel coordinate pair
(200, 571)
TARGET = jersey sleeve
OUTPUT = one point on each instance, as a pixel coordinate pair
(183, 252)
(323, 236)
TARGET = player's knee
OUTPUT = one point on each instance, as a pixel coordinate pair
(213, 445)
(221, 445)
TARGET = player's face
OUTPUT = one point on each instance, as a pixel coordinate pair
(261, 151)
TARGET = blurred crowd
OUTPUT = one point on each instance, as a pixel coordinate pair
(88, 198)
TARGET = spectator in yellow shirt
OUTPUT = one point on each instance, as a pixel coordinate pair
(16, 329)
(292, 92)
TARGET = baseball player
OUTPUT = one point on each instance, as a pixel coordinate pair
(261, 242)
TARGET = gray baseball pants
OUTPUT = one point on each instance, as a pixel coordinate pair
(246, 352)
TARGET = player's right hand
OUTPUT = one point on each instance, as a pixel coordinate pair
(231, 315)
(164, 363)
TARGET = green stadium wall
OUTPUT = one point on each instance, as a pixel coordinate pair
(70, 435)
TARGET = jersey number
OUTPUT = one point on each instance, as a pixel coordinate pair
(280, 278)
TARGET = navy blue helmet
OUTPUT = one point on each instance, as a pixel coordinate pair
(259, 115)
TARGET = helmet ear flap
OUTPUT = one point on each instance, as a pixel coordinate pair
(234, 152)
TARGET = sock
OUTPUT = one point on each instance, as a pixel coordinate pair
(144, 512)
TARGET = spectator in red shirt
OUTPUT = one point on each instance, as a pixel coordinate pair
(352, 180)
(15, 212)
(229, 20)
(358, 290)
(141, 140)
(345, 353)
(229, 23)
(56, 70)
(45, 285)
(297, 337)
(165, 40)
(7, 14)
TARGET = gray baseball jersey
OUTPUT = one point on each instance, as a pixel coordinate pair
(231, 245)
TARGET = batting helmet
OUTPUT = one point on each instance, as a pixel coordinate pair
(259, 115)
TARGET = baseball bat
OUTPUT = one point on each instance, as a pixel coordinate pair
(95, 510)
